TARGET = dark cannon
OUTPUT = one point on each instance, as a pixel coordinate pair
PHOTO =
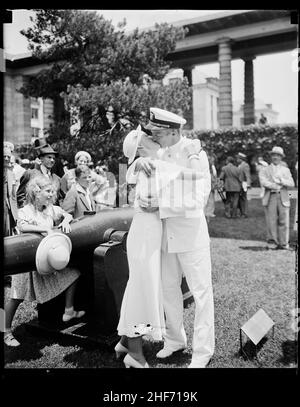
(99, 252)
(87, 233)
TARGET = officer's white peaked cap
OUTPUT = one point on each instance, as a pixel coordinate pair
(162, 119)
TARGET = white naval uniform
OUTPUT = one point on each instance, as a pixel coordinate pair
(142, 302)
(186, 250)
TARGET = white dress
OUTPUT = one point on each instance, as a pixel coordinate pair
(142, 305)
(33, 286)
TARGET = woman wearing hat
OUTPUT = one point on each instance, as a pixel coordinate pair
(52, 276)
(142, 306)
(78, 199)
(83, 159)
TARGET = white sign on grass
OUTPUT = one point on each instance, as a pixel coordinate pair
(258, 326)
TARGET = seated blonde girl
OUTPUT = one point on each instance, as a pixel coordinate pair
(40, 215)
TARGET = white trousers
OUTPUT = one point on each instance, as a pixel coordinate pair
(196, 266)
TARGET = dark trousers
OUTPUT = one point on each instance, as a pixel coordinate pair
(231, 204)
(243, 202)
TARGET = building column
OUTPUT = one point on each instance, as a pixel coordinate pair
(249, 106)
(225, 93)
(188, 73)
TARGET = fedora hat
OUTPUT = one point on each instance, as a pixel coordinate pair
(53, 253)
(162, 119)
(131, 142)
(46, 149)
(277, 150)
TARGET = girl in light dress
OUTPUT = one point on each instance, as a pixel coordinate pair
(142, 306)
(40, 215)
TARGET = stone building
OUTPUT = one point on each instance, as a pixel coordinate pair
(205, 110)
(25, 119)
(260, 108)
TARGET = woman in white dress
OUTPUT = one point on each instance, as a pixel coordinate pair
(142, 306)
(40, 215)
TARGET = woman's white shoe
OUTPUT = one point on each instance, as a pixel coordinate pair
(10, 340)
(75, 314)
(120, 350)
(129, 361)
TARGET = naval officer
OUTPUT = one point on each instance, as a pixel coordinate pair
(185, 244)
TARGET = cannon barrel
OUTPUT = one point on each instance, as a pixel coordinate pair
(87, 233)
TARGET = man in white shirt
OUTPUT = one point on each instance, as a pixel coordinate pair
(276, 179)
(185, 246)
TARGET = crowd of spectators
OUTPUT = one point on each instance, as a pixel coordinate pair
(93, 186)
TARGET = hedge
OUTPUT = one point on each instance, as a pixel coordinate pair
(251, 140)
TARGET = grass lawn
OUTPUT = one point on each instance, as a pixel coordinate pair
(246, 277)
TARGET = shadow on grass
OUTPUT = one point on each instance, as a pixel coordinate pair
(293, 247)
(30, 346)
(255, 248)
(93, 356)
(104, 356)
(289, 353)
(177, 359)
(249, 351)
(33, 341)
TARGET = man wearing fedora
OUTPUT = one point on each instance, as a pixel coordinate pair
(185, 244)
(47, 157)
(244, 169)
(277, 179)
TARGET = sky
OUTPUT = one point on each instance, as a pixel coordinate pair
(275, 76)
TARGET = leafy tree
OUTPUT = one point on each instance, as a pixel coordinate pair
(129, 104)
(96, 68)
